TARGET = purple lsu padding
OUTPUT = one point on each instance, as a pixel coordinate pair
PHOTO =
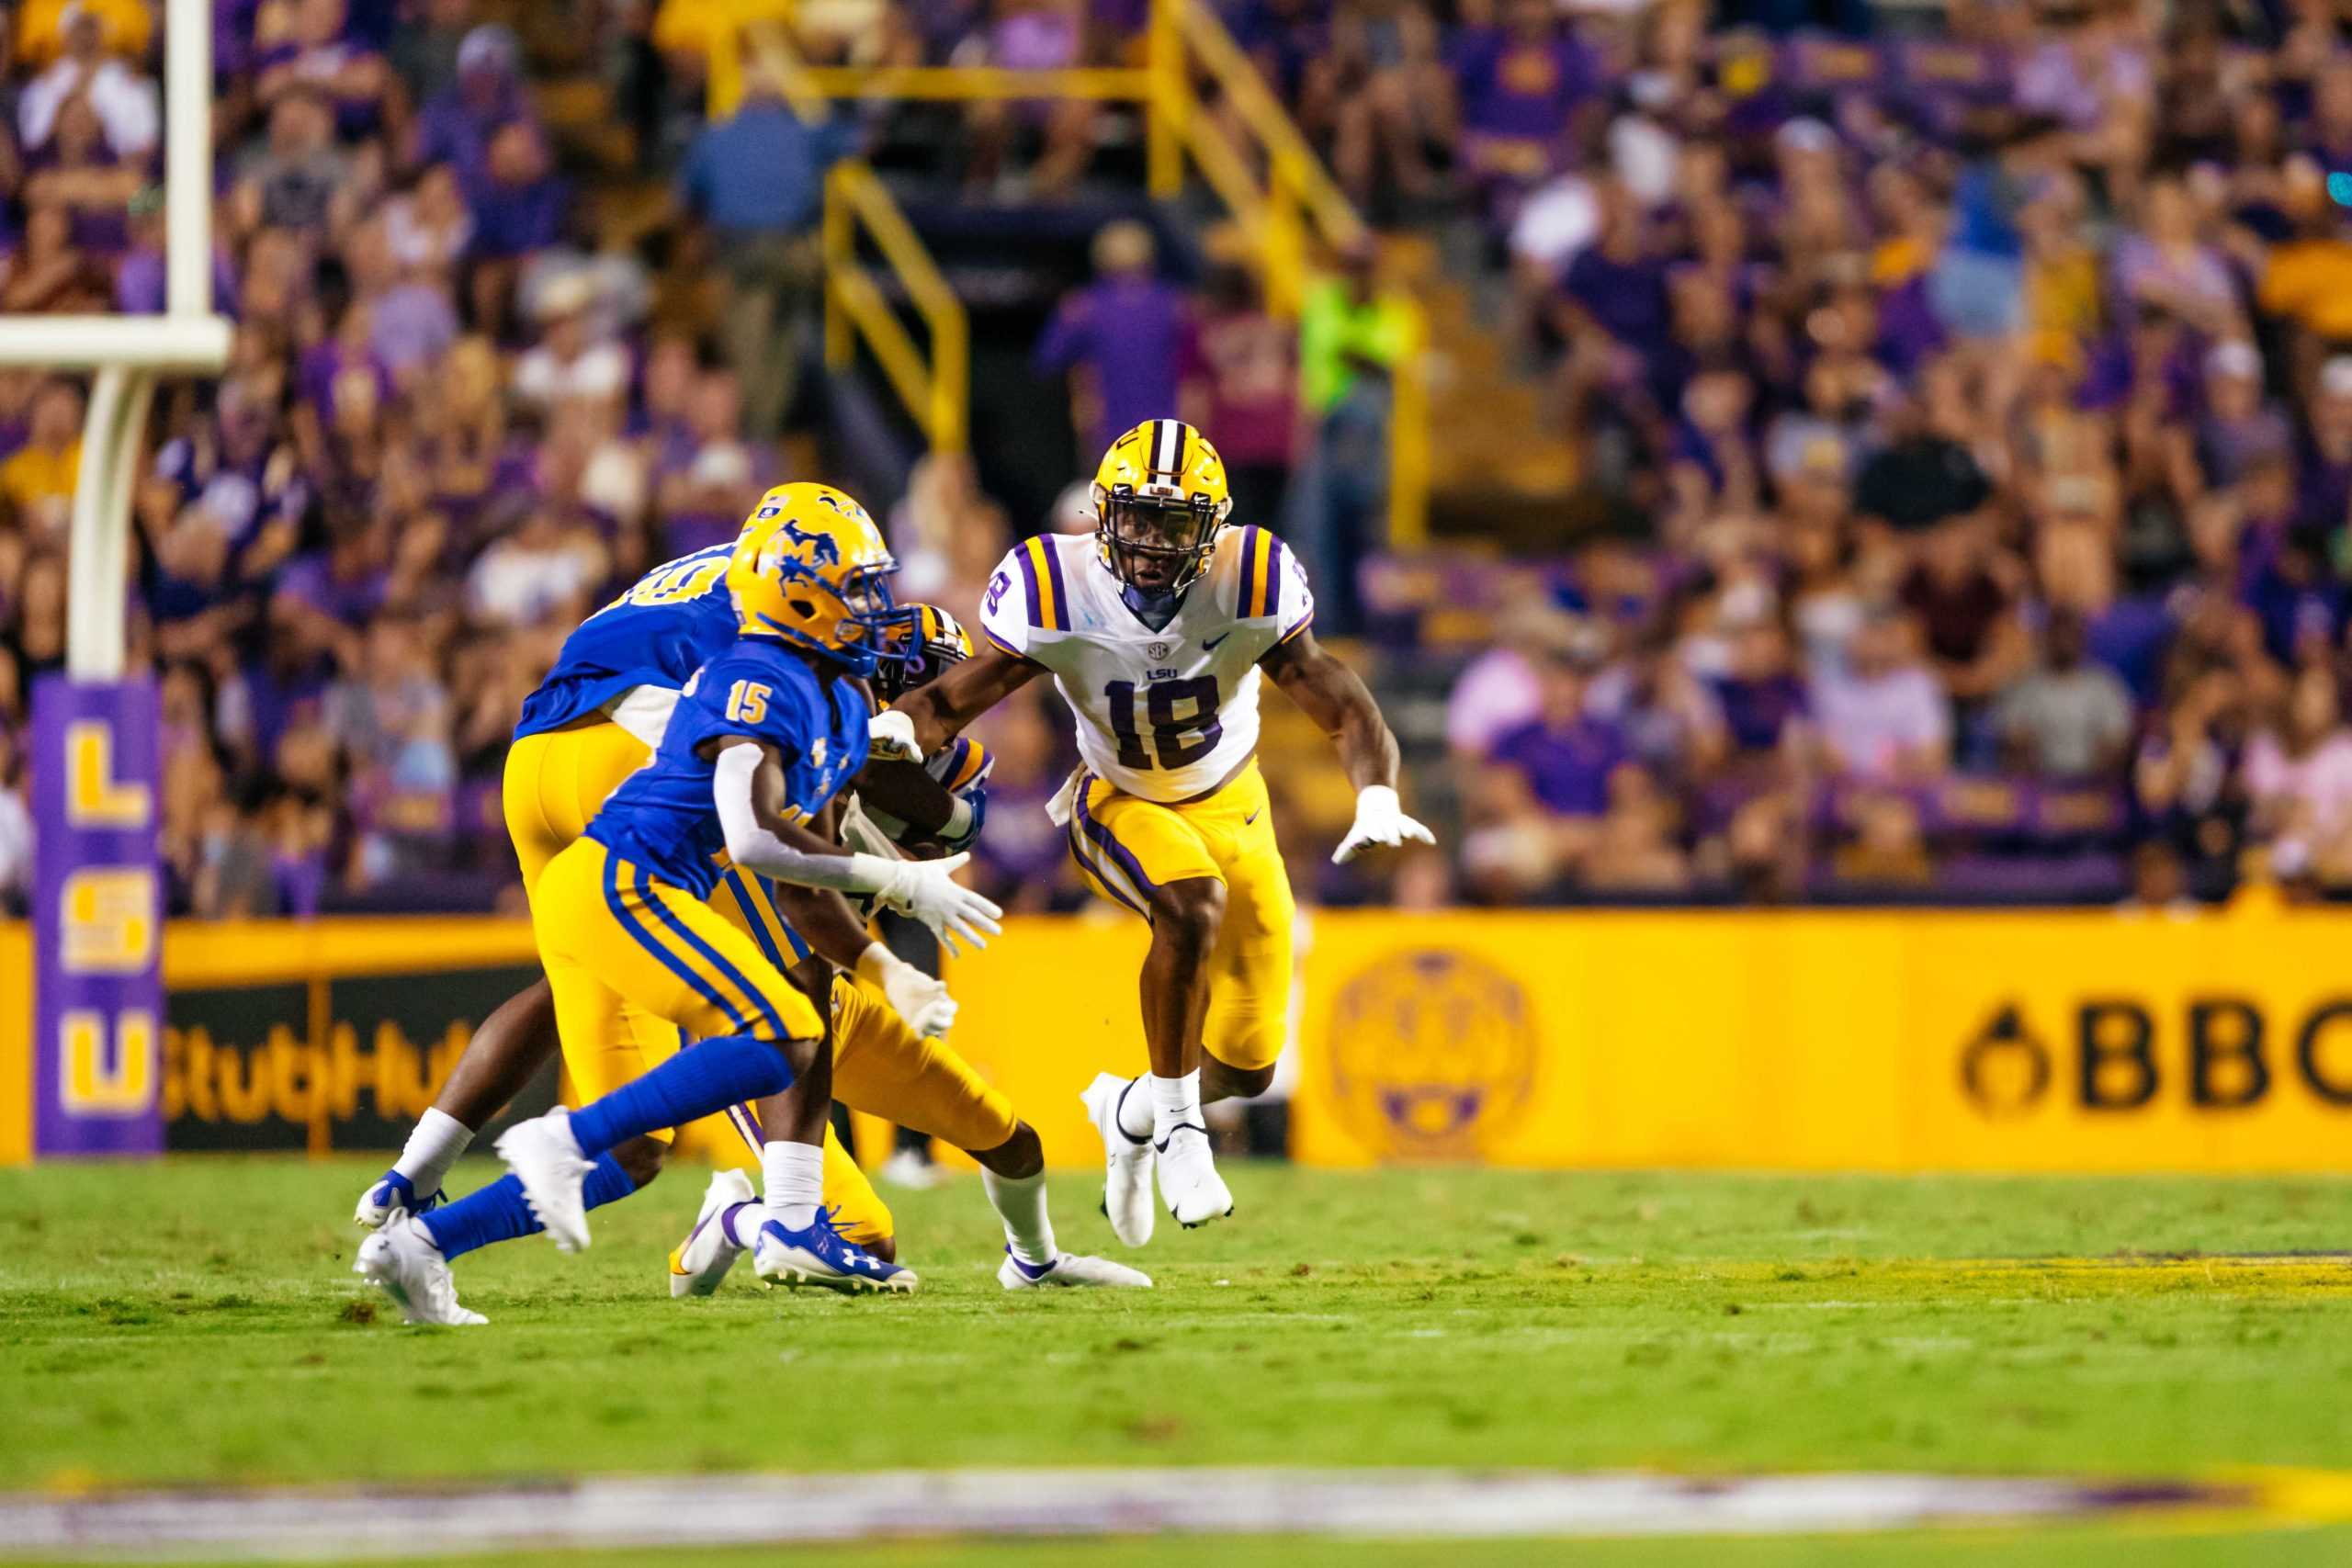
(97, 919)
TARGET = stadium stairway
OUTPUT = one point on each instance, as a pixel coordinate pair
(1498, 471)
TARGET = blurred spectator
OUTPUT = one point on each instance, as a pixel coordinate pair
(2069, 719)
(456, 125)
(1547, 785)
(1246, 363)
(295, 181)
(38, 479)
(1521, 86)
(1883, 718)
(1030, 35)
(2298, 777)
(1121, 341)
(758, 179)
(1389, 91)
(1353, 329)
(567, 363)
(127, 106)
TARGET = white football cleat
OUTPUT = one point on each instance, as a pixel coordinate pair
(545, 1158)
(1071, 1268)
(1194, 1193)
(403, 1261)
(699, 1263)
(1127, 1163)
(393, 1194)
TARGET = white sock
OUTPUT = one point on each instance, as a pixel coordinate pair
(795, 1178)
(741, 1223)
(1174, 1103)
(432, 1148)
(1134, 1108)
(1020, 1202)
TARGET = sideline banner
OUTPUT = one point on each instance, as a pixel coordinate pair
(1803, 1040)
(1857, 1041)
(97, 919)
(328, 1034)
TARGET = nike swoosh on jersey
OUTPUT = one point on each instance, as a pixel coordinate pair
(1210, 646)
(1252, 817)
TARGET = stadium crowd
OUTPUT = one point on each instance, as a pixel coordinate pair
(1968, 399)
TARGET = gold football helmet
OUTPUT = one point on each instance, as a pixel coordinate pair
(1160, 498)
(810, 567)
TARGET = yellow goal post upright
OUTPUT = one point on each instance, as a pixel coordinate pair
(94, 1080)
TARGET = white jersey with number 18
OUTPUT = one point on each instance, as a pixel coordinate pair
(1164, 714)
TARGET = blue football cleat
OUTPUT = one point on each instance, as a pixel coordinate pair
(822, 1255)
(392, 1194)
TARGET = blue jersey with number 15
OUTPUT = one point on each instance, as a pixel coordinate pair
(657, 634)
(662, 816)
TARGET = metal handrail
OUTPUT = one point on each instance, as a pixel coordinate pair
(936, 394)
(1295, 198)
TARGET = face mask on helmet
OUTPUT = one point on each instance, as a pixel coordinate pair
(924, 647)
(876, 634)
(1156, 545)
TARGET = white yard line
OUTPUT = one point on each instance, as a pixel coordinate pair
(717, 1510)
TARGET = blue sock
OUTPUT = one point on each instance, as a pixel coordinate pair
(701, 1080)
(499, 1213)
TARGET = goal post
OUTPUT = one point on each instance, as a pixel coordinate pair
(97, 887)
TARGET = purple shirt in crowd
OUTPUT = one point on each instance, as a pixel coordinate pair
(1627, 300)
(1130, 333)
(1524, 92)
(1566, 766)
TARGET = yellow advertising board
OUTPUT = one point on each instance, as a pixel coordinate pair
(1801, 1040)
(1859, 1040)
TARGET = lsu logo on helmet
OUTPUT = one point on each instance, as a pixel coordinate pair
(811, 568)
(1160, 495)
(929, 644)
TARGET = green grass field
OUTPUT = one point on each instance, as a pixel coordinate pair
(197, 1322)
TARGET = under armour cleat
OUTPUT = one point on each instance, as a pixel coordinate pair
(393, 1194)
(1194, 1193)
(823, 1256)
(545, 1158)
(699, 1263)
(1126, 1162)
(1071, 1268)
(403, 1260)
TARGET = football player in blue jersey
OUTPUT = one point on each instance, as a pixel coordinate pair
(760, 739)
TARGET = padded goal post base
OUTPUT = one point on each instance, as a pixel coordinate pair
(97, 919)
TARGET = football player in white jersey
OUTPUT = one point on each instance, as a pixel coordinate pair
(1155, 631)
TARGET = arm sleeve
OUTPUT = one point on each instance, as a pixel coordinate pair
(749, 844)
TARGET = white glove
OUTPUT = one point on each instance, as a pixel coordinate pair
(922, 1001)
(1379, 820)
(891, 737)
(926, 890)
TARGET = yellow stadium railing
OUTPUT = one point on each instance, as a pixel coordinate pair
(938, 392)
(1279, 193)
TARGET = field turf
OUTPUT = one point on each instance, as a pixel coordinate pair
(197, 1322)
